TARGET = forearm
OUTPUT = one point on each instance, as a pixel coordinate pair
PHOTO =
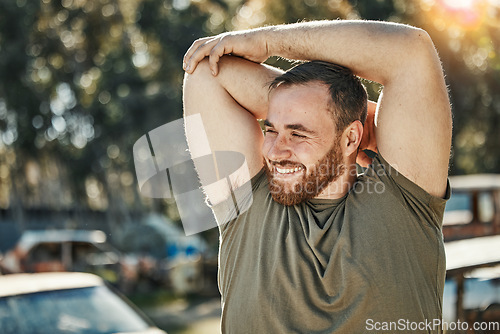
(247, 83)
(373, 50)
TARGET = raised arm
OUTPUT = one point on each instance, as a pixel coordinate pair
(229, 105)
(413, 124)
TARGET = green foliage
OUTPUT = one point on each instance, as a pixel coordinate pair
(82, 80)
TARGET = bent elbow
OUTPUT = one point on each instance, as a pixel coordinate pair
(415, 53)
(420, 44)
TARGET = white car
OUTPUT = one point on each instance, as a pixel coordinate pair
(66, 303)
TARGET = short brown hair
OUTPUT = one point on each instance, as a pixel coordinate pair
(348, 94)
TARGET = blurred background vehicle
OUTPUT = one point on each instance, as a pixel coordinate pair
(471, 230)
(472, 288)
(153, 253)
(474, 207)
(70, 250)
(66, 303)
(185, 263)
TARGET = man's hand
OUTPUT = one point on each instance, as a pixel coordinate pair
(369, 141)
(249, 44)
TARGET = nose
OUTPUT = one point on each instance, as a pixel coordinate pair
(279, 149)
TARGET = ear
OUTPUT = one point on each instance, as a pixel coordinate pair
(352, 137)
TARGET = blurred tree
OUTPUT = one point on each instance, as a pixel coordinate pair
(82, 80)
(468, 43)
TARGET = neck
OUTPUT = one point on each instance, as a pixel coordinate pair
(341, 186)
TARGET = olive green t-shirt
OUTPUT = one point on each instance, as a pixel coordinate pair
(370, 262)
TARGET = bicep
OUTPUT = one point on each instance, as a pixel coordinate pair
(413, 127)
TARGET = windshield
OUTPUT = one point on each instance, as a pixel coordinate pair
(85, 310)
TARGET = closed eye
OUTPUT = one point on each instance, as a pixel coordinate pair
(298, 135)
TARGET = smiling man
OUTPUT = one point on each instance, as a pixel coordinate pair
(303, 162)
(322, 249)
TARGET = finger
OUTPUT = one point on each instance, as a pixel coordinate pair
(192, 49)
(202, 50)
(215, 54)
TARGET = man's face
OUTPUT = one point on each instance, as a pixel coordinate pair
(302, 152)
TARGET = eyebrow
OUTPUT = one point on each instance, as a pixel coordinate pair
(298, 127)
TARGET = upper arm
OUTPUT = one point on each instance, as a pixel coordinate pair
(229, 105)
(413, 126)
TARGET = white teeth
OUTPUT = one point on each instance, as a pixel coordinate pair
(288, 170)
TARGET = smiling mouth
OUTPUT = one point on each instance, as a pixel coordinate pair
(285, 171)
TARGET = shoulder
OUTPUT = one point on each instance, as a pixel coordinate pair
(381, 183)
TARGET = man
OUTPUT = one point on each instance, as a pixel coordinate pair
(321, 249)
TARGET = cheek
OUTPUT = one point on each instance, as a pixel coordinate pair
(305, 153)
(266, 145)
(309, 157)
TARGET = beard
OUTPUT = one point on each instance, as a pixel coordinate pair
(326, 170)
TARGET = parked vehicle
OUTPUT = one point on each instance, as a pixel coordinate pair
(472, 288)
(471, 230)
(69, 250)
(66, 303)
(182, 263)
(474, 207)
